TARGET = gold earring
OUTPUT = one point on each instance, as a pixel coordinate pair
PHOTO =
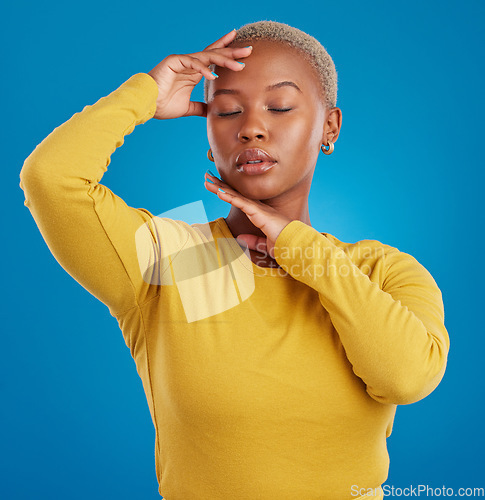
(209, 155)
(330, 149)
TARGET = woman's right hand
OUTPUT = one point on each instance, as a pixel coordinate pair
(178, 74)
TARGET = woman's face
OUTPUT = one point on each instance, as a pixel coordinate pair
(246, 110)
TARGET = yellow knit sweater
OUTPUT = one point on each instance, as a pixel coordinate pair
(262, 383)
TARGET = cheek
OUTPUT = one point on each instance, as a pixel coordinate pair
(219, 133)
(299, 138)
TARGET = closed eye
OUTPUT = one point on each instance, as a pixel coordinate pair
(278, 110)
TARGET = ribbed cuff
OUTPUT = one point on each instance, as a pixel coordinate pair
(300, 249)
(146, 90)
(287, 235)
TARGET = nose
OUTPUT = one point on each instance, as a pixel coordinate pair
(253, 127)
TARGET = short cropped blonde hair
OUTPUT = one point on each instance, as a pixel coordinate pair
(314, 52)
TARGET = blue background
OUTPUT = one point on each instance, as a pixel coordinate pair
(407, 170)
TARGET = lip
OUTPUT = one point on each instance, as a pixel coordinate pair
(255, 168)
(264, 159)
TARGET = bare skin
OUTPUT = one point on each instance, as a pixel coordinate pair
(261, 205)
(178, 74)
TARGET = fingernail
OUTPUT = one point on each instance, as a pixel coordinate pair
(209, 180)
(221, 190)
(249, 47)
(210, 173)
(217, 76)
(241, 63)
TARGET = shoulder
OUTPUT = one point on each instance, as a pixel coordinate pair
(381, 262)
(366, 249)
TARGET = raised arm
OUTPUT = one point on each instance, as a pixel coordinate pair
(391, 323)
(89, 229)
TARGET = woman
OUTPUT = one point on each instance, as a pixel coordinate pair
(272, 367)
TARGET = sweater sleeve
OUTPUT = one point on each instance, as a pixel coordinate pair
(90, 230)
(393, 333)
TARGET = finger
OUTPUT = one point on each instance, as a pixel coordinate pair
(186, 61)
(212, 178)
(197, 109)
(226, 59)
(212, 184)
(251, 208)
(257, 243)
(234, 52)
(248, 206)
(213, 187)
(260, 245)
(226, 193)
(271, 252)
(238, 200)
(223, 41)
(217, 182)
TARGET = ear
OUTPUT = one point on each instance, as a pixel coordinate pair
(331, 127)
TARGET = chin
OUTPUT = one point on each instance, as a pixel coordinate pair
(254, 187)
(258, 189)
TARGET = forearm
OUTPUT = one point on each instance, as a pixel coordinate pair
(80, 149)
(395, 340)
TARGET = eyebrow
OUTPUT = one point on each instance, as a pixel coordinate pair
(268, 88)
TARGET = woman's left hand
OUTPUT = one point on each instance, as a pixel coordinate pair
(261, 215)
